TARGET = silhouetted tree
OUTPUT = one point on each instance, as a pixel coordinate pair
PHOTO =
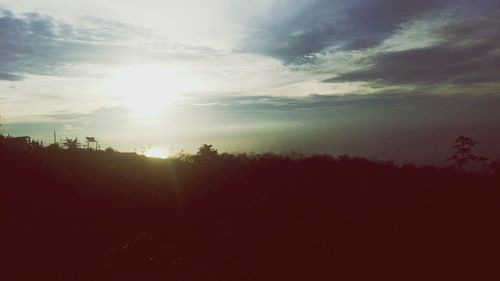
(464, 155)
(109, 149)
(207, 152)
(71, 144)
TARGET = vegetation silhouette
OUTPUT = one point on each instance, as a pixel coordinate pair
(78, 214)
(72, 144)
(206, 152)
(464, 155)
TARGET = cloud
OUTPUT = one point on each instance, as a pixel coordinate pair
(105, 117)
(469, 52)
(329, 103)
(10, 77)
(36, 44)
(293, 34)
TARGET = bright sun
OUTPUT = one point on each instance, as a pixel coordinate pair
(156, 153)
(148, 88)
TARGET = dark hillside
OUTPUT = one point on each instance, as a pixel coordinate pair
(94, 215)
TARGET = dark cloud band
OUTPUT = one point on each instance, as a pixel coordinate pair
(469, 53)
(338, 24)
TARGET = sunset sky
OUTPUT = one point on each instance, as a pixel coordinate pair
(385, 79)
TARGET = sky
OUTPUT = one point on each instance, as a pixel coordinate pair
(385, 79)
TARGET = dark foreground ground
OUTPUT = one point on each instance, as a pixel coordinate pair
(95, 216)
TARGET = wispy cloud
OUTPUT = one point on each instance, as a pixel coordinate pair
(36, 44)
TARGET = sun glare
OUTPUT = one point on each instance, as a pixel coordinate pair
(156, 153)
(147, 89)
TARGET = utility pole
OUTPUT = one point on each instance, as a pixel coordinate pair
(55, 137)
